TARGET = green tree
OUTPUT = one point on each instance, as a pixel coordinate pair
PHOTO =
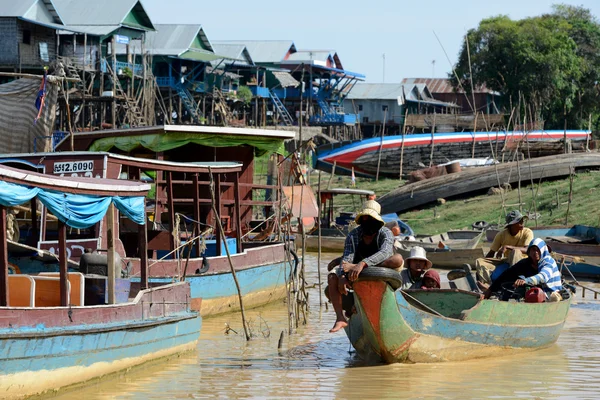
(549, 61)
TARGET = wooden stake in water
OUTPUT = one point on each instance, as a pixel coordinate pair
(224, 239)
(319, 239)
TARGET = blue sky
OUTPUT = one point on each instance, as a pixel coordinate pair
(360, 31)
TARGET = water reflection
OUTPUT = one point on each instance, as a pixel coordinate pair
(314, 363)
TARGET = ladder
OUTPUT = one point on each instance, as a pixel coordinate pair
(134, 113)
(188, 101)
(71, 71)
(281, 110)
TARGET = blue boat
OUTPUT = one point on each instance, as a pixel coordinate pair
(52, 334)
(576, 247)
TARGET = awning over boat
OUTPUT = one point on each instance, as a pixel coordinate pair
(173, 140)
(77, 202)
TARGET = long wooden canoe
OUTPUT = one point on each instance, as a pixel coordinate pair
(473, 180)
(446, 325)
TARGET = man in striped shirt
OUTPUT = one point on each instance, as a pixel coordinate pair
(548, 275)
(370, 244)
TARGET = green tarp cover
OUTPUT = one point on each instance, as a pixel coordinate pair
(168, 141)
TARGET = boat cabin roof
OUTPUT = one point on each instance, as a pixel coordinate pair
(143, 163)
(89, 186)
(337, 191)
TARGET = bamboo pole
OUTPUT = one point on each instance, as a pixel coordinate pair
(332, 175)
(381, 145)
(570, 195)
(432, 140)
(222, 234)
(319, 240)
(402, 146)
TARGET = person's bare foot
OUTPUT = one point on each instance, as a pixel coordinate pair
(338, 325)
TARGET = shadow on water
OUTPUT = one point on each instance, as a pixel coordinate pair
(314, 363)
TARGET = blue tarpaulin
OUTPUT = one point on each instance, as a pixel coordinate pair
(75, 210)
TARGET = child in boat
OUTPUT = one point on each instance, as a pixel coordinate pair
(416, 265)
(431, 280)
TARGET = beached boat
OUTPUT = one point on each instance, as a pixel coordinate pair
(51, 334)
(364, 156)
(444, 325)
(450, 249)
(263, 267)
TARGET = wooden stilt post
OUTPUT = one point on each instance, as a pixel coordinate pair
(197, 210)
(143, 250)
(238, 212)
(114, 83)
(63, 264)
(35, 233)
(3, 259)
(217, 206)
(319, 239)
(111, 237)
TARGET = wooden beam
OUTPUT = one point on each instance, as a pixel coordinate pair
(238, 212)
(34, 223)
(197, 212)
(171, 207)
(110, 238)
(218, 207)
(3, 259)
(63, 264)
(143, 251)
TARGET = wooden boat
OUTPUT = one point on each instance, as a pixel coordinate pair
(365, 155)
(461, 248)
(336, 226)
(579, 243)
(50, 334)
(446, 324)
(263, 267)
(474, 180)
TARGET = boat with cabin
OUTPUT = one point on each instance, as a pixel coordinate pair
(61, 325)
(184, 240)
(410, 326)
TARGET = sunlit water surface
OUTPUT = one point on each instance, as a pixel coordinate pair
(315, 364)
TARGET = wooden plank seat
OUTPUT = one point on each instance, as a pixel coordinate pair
(21, 291)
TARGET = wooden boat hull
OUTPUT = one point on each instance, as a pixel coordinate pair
(263, 274)
(365, 155)
(45, 349)
(389, 328)
(448, 259)
(332, 244)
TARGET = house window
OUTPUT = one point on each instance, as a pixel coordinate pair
(360, 107)
(365, 120)
(26, 36)
(384, 108)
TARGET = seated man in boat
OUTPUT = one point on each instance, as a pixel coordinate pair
(509, 247)
(539, 268)
(370, 244)
(416, 265)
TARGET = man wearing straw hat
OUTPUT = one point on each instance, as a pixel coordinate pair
(370, 244)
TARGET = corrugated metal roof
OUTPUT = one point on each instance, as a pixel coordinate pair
(442, 85)
(102, 30)
(379, 91)
(237, 52)
(171, 39)
(15, 8)
(94, 12)
(266, 51)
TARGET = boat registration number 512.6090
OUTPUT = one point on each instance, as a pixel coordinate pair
(73, 167)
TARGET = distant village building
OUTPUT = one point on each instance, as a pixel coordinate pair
(377, 103)
(486, 100)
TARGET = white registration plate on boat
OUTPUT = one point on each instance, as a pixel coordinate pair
(73, 167)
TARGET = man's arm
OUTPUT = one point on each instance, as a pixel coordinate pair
(349, 246)
(496, 244)
(386, 249)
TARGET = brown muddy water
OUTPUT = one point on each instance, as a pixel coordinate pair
(316, 364)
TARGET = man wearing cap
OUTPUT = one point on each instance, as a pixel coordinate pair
(509, 247)
(370, 244)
